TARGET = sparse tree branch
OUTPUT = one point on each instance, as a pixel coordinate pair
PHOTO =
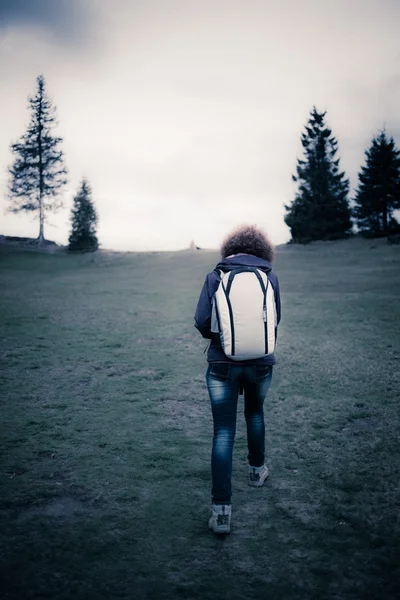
(38, 173)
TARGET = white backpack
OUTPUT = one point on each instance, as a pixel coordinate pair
(244, 313)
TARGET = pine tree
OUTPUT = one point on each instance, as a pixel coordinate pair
(84, 220)
(38, 173)
(320, 210)
(378, 193)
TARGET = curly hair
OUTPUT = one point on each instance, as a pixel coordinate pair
(248, 239)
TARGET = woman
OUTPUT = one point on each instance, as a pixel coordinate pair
(247, 246)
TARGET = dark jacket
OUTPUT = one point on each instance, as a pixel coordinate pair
(203, 312)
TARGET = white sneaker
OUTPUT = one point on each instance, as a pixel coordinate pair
(220, 521)
(257, 475)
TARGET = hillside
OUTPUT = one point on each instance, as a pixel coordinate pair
(106, 431)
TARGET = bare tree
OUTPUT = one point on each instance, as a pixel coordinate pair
(38, 172)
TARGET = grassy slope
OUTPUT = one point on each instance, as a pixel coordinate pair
(106, 431)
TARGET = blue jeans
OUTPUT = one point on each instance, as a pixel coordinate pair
(224, 381)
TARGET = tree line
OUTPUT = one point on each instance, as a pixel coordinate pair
(321, 209)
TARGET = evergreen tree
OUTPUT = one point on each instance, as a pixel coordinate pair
(378, 193)
(38, 173)
(320, 210)
(84, 220)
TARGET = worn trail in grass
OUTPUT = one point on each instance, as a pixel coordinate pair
(106, 431)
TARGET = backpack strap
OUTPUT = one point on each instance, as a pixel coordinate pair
(238, 270)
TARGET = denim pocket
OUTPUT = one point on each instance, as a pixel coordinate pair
(220, 371)
(261, 373)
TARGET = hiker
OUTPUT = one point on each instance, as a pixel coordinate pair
(239, 311)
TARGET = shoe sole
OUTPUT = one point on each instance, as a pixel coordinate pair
(223, 530)
(258, 483)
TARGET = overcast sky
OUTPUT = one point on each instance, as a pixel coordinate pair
(186, 116)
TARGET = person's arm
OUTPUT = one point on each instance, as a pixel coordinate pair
(277, 300)
(202, 318)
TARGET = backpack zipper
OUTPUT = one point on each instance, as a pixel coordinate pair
(230, 319)
(265, 317)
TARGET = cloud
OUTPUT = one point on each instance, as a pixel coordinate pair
(186, 117)
(65, 20)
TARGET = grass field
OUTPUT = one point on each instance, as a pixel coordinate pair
(106, 431)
